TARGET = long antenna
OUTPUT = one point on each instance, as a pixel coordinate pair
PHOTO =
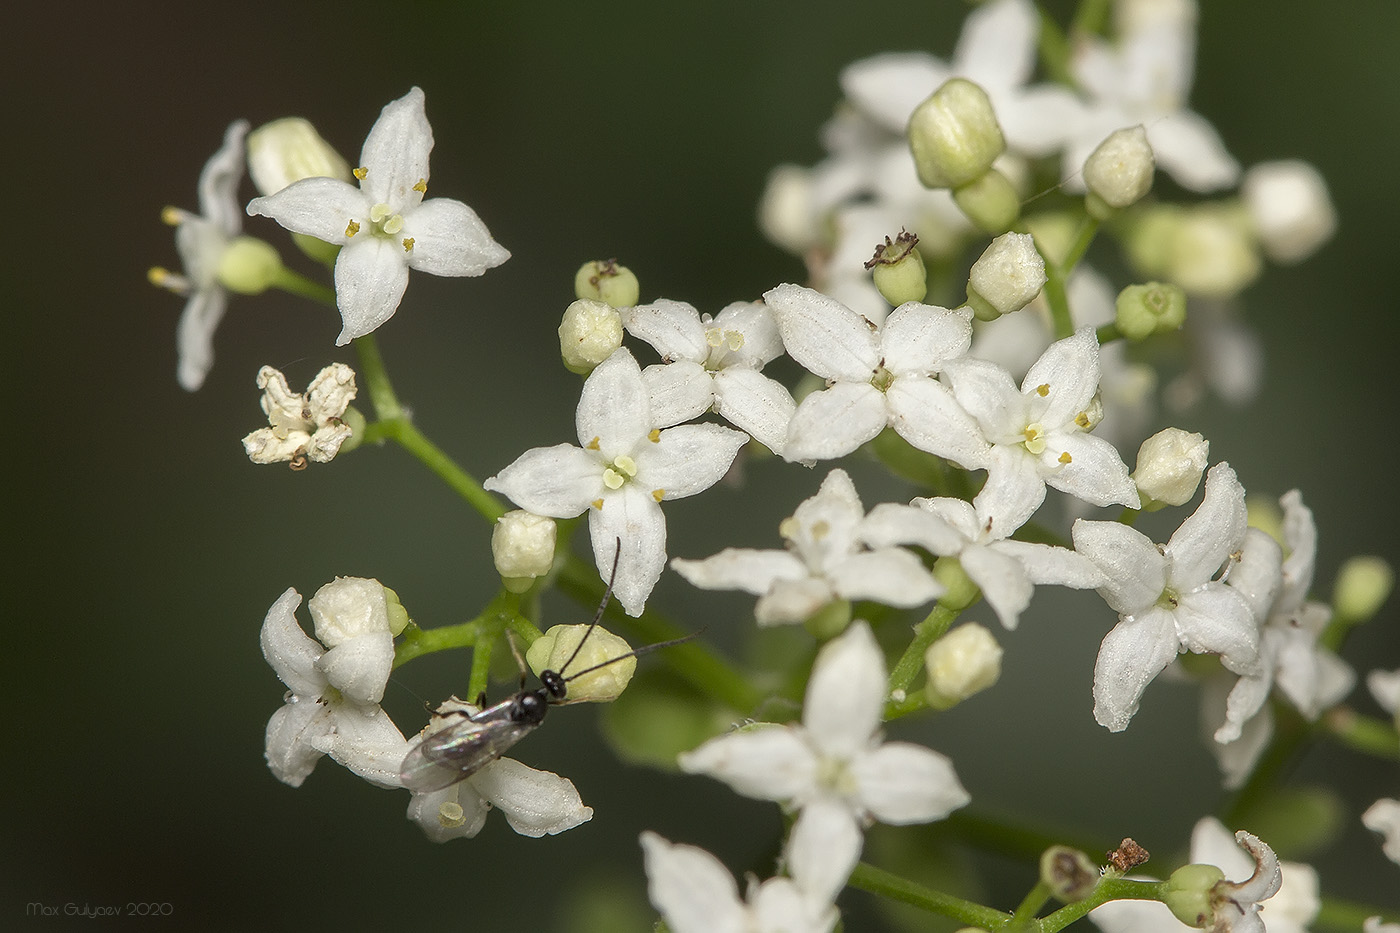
(597, 616)
(635, 652)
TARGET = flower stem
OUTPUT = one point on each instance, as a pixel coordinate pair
(1366, 734)
(1348, 916)
(933, 627)
(294, 283)
(376, 377)
(1108, 889)
(867, 877)
(407, 435)
(417, 642)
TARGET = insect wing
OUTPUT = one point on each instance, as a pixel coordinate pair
(459, 750)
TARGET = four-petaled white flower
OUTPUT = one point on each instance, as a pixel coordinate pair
(334, 686)
(1166, 598)
(828, 558)
(535, 803)
(626, 467)
(304, 426)
(696, 893)
(714, 364)
(384, 227)
(201, 240)
(1383, 817)
(1291, 889)
(877, 376)
(1039, 434)
(1145, 79)
(835, 766)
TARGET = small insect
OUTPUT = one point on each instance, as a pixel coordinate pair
(456, 752)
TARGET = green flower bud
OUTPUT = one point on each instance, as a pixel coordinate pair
(990, 201)
(590, 332)
(1007, 277)
(1068, 873)
(959, 590)
(830, 620)
(1188, 894)
(1169, 467)
(1119, 172)
(288, 150)
(899, 270)
(398, 615)
(554, 648)
(1363, 585)
(355, 420)
(1148, 239)
(954, 135)
(1143, 310)
(1213, 253)
(965, 661)
(522, 545)
(604, 280)
(249, 266)
(317, 250)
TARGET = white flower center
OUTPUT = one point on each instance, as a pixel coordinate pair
(882, 378)
(621, 470)
(834, 774)
(1033, 438)
(386, 221)
(451, 815)
(722, 343)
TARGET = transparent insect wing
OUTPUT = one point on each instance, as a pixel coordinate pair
(462, 748)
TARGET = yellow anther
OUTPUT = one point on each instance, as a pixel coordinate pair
(788, 528)
(1043, 389)
(157, 276)
(593, 444)
(1082, 419)
(352, 228)
(658, 494)
(408, 244)
(422, 186)
(655, 436)
(1065, 457)
(171, 216)
(597, 504)
(360, 172)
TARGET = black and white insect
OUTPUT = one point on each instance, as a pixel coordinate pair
(456, 752)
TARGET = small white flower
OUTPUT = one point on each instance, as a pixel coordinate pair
(535, 803)
(713, 364)
(1383, 817)
(696, 894)
(384, 226)
(1166, 598)
(876, 376)
(1290, 207)
(835, 766)
(304, 426)
(828, 557)
(624, 469)
(1039, 434)
(202, 240)
(334, 686)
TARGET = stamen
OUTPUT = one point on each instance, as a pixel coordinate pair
(593, 444)
(408, 245)
(597, 504)
(352, 228)
(1043, 389)
(658, 494)
(360, 172)
(655, 436)
(422, 186)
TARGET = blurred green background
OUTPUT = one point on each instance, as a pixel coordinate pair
(145, 548)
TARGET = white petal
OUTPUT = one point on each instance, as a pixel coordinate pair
(678, 392)
(891, 575)
(673, 329)
(558, 481)
(1070, 367)
(1136, 917)
(741, 569)
(368, 743)
(291, 732)
(1385, 687)
(218, 182)
(1095, 472)
(1217, 620)
(889, 86)
(754, 403)
(755, 321)
(1258, 574)
(291, 652)
(359, 667)
(1300, 531)
(986, 392)
(1212, 533)
(918, 338)
(370, 278)
(1059, 566)
(691, 889)
(1136, 570)
(902, 783)
(793, 601)
(823, 848)
(1383, 817)
(1187, 147)
(767, 762)
(1238, 758)
(633, 516)
(835, 421)
(927, 415)
(614, 412)
(890, 524)
(426, 811)
(319, 207)
(1241, 705)
(1131, 655)
(535, 803)
(845, 697)
(824, 335)
(1003, 582)
(1038, 120)
(1013, 491)
(194, 335)
(997, 45)
(687, 459)
(449, 239)
(396, 153)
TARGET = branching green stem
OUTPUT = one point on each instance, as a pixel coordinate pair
(294, 283)
(867, 877)
(932, 628)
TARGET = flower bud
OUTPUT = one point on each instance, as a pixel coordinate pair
(787, 212)
(1006, 278)
(1143, 310)
(899, 270)
(1188, 893)
(590, 333)
(954, 135)
(522, 545)
(1068, 873)
(347, 608)
(1212, 253)
(249, 266)
(990, 201)
(959, 591)
(1290, 207)
(965, 661)
(1119, 172)
(1169, 467)
(288, 150)
(398, 615)
(604, 280)
(1363, 585)
(552, 651)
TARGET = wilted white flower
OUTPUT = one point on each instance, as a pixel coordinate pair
(305, 426)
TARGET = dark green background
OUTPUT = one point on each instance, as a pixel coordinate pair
(145, 549)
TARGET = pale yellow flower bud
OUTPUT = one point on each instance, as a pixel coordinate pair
(1169, 467)
(954, 135)
(591, 331)
(1006, 277)
(1119, 172)
(288, 150)
(552, 651)
(965, 661)
(522, 545)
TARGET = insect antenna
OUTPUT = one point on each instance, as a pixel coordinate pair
(597, 616)
(635, 652)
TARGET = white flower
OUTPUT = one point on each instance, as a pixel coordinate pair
(1383, 817)
(696, 894)
(1146, 79)
(1290, 207)
(828, 557)
(384, 226)
(834, 766)
(877, 376)
(1375, 925)
(304, 426)
(334, 687)
(713, 363)
(202, 240)
(625, 468)
(535, 803)
(1166, 599)
(1291, 889)
(1006, 571)
(1039, 434)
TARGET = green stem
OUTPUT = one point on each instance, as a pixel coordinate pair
(934, 626)
(1091, 18)
(1058, 299)
(417, 642)
(1030, 905)
(376, 379)
(294, 283)
(1348, 916)
(1366, 734)
(1084, 238)
(1109, 333)
(406, 435)
(867, 877)
(1108, 889)
(480, 677)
